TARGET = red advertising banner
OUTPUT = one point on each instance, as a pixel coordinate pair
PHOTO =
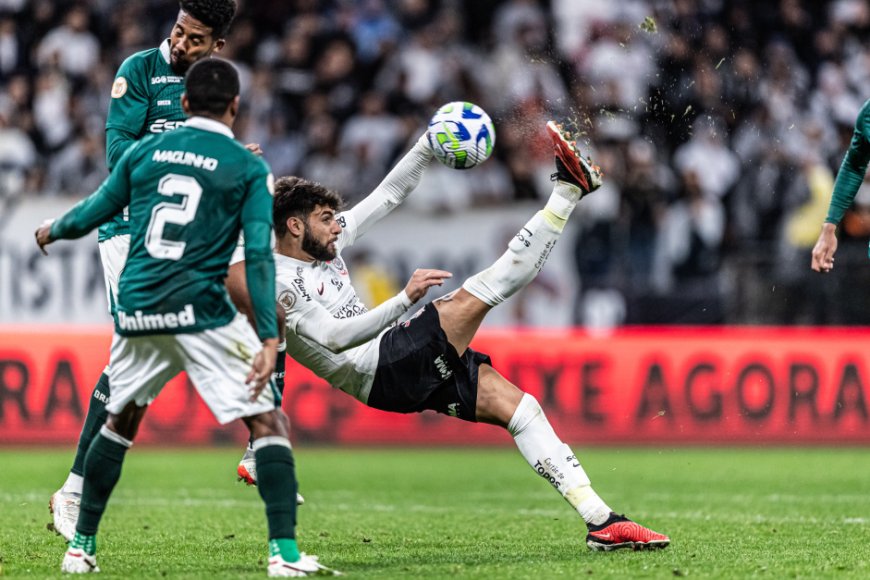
(635, 386)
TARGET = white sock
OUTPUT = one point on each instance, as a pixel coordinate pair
(554, 460)
(528, 251)
(73, 484)
(561, 203)
(526, 254)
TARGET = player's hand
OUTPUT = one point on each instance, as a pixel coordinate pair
(262, 369)
(43, 236)
(823, 251)
(255, 149)
(422, 280)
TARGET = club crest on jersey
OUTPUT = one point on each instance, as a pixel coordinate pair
(287, 300)
(119, 88)
(338, 264)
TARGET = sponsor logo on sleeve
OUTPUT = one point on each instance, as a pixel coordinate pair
(119, 88)
(299, 285)
(287, 300)
(351, 308)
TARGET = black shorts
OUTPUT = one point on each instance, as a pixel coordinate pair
(419, 370)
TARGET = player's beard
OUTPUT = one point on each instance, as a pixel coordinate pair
(314, 248)
(179, 65)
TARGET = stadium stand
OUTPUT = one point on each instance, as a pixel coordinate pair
(720, 124)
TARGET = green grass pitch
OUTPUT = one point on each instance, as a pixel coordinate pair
(461, 513)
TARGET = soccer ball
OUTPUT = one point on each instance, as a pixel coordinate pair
(461, 135)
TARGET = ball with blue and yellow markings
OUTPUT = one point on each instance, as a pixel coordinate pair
(461, 135)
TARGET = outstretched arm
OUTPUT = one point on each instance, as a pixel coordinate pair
(339, 334)
(307, 318)
(392, 191)
(110, 198)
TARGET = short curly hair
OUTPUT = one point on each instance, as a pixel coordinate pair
(297, 197)
(217, 14)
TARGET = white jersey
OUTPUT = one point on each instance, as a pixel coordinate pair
(329, 329)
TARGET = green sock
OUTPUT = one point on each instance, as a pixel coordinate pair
(95, 419)
(285, 547)
(102, 472)
(276, 482)
(86, 543)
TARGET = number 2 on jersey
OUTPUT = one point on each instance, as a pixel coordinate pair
(177, 213)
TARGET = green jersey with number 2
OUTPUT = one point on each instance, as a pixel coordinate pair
(190, 192)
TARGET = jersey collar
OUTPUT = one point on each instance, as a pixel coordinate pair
(164, 50)
(207, 124)
(293, 262)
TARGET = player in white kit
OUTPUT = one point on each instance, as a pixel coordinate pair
(425, 363)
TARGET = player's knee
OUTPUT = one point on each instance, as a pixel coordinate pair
(497, 398)
(496, 284)
(526, 412)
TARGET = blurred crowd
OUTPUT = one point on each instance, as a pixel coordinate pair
(720, 125)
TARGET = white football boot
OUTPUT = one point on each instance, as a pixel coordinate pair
(247, 472)
(77, 561)
(305, 566)
(64, 508)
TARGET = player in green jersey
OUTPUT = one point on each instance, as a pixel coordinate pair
(849, 179)
(146, 100)
(190, 193)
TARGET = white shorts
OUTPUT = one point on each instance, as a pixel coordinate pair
(113, 255)
(217, 361)
(238, 252)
